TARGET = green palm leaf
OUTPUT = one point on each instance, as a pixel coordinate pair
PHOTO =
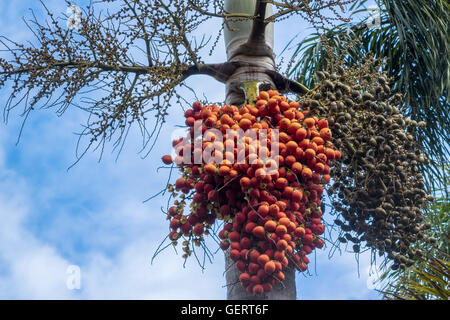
(429, 282)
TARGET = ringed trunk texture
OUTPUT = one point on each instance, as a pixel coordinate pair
(242, 87)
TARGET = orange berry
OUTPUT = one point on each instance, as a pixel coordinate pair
(281, 215)
(310, 153)
(260, 173)
(259, 232)
(236, 117)
(210, 169)
(293, 127)
(284, 221)
(291, 229)
(290, 114)
(300, 134)
(299, 153)
(282, 245)
(280, 276)
(323, 123)
(261, 103)
(282, 205)
(198, 229)
(329, 153)
(325, 133)
(291, 146)
(233, 173)
(264, 95)
(235, 255)
(294, 104)
(273, 93)
(269, 267)
(284, 106)
(224, 171)
(272, 103)
(289, 160)
(319, 167)
(318, 140)
(211, 121)
(249, 227)
(236, 245)
(234, 236)
(307, 173)
(278, 266)
(297, 167)
(263, 210)
(253, 268)
(297, 196)
(280, 230)
(281, 183)
(254, 254)
(258, 289)
(190, 121)
(245, 182)
(309, 122)
(289, 250)
(284, 123)
(274, 209)
(244, 277)
(287, 192)
(270, 226)
(167, 159)
(243, 110)
(279, 255)
(263, 259)
(284, 137)
(253, 110)
(245, 123)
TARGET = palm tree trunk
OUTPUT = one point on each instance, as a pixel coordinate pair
(250, 43)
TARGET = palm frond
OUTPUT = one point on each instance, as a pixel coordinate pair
(431, 281)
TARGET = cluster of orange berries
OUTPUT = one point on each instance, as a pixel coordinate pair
(271, 209)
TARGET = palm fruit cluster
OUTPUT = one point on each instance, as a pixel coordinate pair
(272, 217)
(378, 191)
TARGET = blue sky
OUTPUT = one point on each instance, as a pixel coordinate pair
(93, 215)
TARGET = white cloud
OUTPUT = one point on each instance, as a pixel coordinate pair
(130, 276)
(30, 268)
